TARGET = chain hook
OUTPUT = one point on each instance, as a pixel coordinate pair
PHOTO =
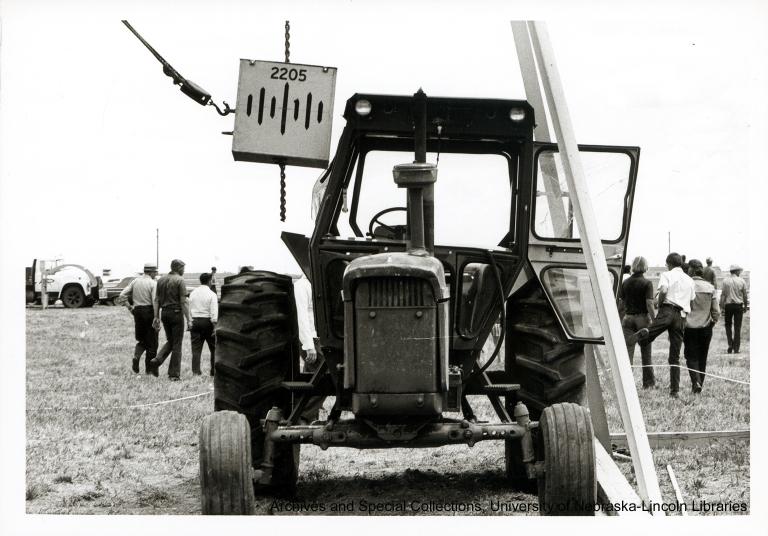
(226, 111)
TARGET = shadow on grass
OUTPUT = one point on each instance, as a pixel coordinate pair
(410, 492)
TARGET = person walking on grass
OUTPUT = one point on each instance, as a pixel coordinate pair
(709, 273)
(733, 302)
(637, 298)
(213, 282)
(698, 328)
(139, 297)
(204, 308)
(171, 307)
(676, 292)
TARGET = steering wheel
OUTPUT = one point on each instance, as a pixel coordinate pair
(379, 214)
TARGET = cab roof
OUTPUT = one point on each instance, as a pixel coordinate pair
(459, 117)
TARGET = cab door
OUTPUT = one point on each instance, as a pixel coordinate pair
(554, 248)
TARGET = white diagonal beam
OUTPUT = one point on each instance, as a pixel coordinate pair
(541, 130)
(629, 404)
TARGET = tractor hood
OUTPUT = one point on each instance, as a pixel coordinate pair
(397, 265)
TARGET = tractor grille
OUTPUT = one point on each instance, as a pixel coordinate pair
(396, 292)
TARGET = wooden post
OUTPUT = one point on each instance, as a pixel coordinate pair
(43, 285)
(550, 178)
(595, 399)
(629, 404)
(678, 493)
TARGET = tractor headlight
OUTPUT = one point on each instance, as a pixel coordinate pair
(516, 114)
(363, 107)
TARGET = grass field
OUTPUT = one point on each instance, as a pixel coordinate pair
(87, 453)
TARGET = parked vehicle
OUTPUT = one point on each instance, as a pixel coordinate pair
(73, 284)
(111, 290)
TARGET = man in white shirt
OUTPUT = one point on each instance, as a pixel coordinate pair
(676, 292)
(302, 294)
(138, 297)
(204, 309)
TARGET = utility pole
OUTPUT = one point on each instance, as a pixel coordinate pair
(669, 242)
(157, 248)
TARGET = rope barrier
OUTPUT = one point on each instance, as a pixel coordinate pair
(133, 406)
(686, 368)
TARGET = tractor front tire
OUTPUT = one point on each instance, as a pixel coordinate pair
(549, 368)
(257, 349)
(568, 486)
(226, 482)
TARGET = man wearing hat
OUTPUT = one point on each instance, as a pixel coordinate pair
(171, 307)
(139, 297)
(733, 303)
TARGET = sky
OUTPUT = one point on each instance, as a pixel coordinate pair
(99, 149)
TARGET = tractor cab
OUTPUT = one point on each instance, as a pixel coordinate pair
(470, 213)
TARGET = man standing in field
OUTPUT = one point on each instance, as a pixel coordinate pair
(204, 308)
(213, 279)
(305, 318)
(139, 297)
(709, 273)
(171, 306)
(698, 328)
(676, 292)
(734, 301)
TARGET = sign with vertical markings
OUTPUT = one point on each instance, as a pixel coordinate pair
(284, 113)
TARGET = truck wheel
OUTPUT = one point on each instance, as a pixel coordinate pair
(568, 486)
(226, 483)
(73, 297)
(548, 367)
(257, 349)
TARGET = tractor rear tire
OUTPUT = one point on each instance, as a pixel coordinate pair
(548, 367)
(257, 349)
(72, 297)
(226, 482)
(568, 486)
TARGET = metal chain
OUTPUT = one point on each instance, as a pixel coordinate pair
(287, 41)
(282, 166)
(282, 192)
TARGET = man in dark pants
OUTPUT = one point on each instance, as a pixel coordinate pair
(171, 306)
(204, 308)
(675, 296)
(637, 297)
(139, 297)
(733, 302)
(213, 282)
(698, 329)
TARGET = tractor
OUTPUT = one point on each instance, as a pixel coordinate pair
(402, 313)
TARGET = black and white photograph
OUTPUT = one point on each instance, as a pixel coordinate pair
(382, 260)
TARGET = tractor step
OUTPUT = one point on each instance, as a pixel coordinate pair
(500, 388)
(299, 387)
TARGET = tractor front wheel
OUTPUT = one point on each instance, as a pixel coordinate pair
(568, 486)
(226, 483)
